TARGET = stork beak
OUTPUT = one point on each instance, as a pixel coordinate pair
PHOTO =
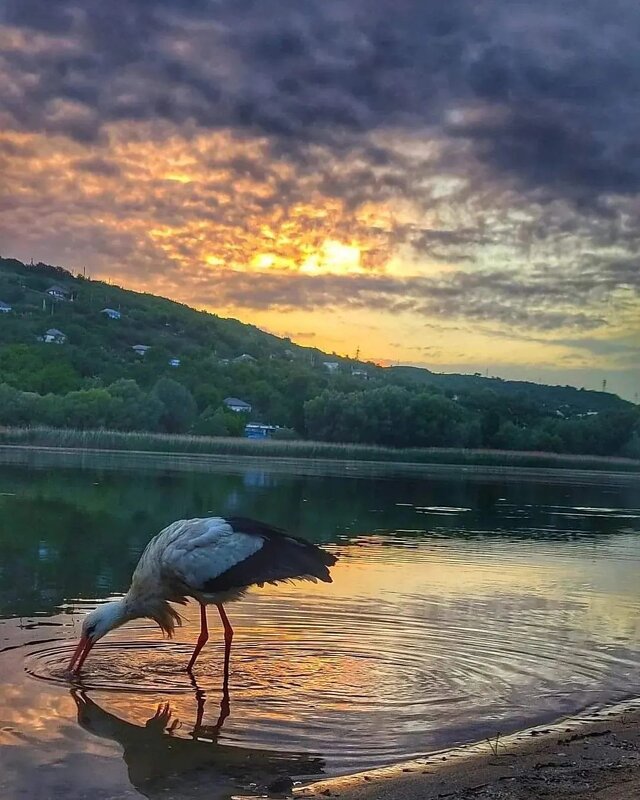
(80, 653)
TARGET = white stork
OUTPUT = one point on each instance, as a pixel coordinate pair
(213, 560)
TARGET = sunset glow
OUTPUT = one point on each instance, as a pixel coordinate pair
(397, 216)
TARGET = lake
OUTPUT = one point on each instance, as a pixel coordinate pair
(463, 604)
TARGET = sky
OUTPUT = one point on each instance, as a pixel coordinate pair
(452, 185)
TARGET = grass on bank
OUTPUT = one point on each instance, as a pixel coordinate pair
(205, 445)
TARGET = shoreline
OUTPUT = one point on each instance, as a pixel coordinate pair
(592, 756)
(40, 455)
(305, 450)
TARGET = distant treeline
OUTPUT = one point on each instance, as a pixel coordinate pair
(399, 417)
(387, 416)
(121, 406)
(194, 360)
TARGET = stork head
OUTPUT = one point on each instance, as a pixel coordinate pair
(95, 625)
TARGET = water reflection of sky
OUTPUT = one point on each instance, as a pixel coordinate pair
(459, 607)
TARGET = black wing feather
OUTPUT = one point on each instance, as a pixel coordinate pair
(282, 557)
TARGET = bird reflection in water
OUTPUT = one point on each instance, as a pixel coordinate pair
(159, 762)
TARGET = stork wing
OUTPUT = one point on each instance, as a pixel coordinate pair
(195, 552)
(280, 557)
(216, 555)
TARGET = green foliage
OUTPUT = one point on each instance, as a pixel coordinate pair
(16, 407)
(179, 407)
(87, 408)
(284, 435)
(392, 417)
(220, 422)
(134, 410)
(38, 368)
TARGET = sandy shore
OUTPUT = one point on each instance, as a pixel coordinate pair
(595, 757)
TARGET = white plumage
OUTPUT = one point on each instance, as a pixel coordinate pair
(191, 552)
(213, 560)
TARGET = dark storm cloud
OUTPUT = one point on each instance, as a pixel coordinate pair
(490, 296)
(621, 349)
(544, 92)
(97, 166)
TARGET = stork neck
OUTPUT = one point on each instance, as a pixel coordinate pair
(152, 606)
(135, 605)
(113, 614)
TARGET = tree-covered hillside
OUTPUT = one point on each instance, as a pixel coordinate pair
(65, 362)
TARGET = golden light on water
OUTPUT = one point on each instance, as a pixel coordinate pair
(414, 637)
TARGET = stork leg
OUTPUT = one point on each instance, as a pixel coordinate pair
(202, 639)
(228, 637)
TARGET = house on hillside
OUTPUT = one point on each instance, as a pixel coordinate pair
(111, 313)
(360, 373)
(58, 293)
(245, 358)
(235, 404)
(174, 362)
(140, 349)
(4, 308)
(331, 366)
(54, 336)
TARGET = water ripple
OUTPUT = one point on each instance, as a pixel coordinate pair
(373, 681)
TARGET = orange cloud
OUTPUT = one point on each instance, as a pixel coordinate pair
(221, 220)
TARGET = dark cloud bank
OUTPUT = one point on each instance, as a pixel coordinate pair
(545, 92)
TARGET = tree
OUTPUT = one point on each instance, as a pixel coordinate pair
(16, 407)
(134, 410)
(218, 422)
(206, 395)
(179, 407)
(38, 368)
(88, 408)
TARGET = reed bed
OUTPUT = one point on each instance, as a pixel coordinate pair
(221, 446)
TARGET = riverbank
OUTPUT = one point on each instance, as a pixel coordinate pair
(595, 757)
(40, 457)
(163, 444)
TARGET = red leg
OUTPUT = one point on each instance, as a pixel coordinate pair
(202, 639)
(228, 637)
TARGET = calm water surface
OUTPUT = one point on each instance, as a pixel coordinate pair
(461, 605)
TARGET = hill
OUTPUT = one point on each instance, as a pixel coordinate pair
(566, 399)
(67, 359)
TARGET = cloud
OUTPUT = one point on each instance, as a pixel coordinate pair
(219, 221)
(486, 297)
(545, 94)
(97, 166)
